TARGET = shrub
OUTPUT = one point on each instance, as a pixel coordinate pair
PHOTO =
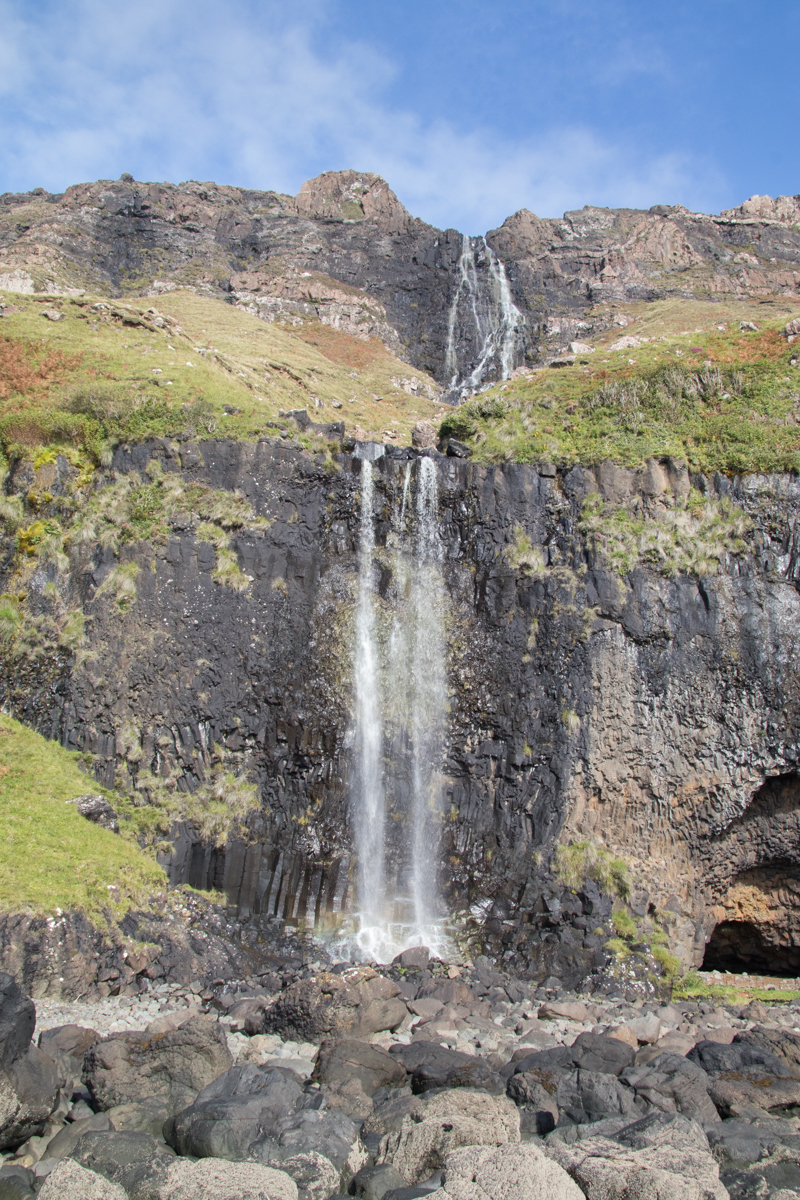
(670, 965)
(586, 859)
(624, 925)
(522, 555)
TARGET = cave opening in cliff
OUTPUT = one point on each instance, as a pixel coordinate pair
(740, 947)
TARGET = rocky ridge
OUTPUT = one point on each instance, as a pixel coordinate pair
(346, 252)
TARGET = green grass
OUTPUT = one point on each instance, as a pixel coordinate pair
(51, 857)
(693, 987)
(720, 400)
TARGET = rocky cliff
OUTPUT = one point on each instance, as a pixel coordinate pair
(653, 710)
(345, 251)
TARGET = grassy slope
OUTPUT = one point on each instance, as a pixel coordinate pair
(259, 368)
(719, 398)
(50, 856)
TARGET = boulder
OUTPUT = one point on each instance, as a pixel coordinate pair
(374, 1182)
(121, 1157)
(95, 808)
(431, 1065)
(356, 1003)
(662, 1162)
(416, 958)
(437, 1124)
(563, 1011)
(148, 1116)
(477, 1075)
(16, 1183)
(311, 1131)
(315, 1176)
(67, 1138)
(449, 991)
(783, 1043)
(70, 1181)
(716, 1057)
(589, 1051)
(212, 1179)
(739, 1142)
(28, 1094)
(17, 1021)
(539, 1105)
(512, 1173)
(73, 1040)
(345, 1060)
(426, 1007)
(173, 1066)
(231, 1112)
(262, 1113)
(742, 1075)
(673, 1084)
(387, 1116)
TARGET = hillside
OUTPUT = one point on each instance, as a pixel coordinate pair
(52, 858)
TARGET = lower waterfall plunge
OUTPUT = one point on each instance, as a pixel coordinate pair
(400, 713)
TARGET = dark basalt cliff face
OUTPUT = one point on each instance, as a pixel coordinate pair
(347, 252)
(659, 714)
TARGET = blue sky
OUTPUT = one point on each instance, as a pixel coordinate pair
(470, 110)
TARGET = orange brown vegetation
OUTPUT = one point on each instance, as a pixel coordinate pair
(342, 348)
(29, 369)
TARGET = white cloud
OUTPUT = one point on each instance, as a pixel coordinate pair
(169, 89)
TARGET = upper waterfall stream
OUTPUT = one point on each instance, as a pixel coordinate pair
(400, 717)
(484, 316)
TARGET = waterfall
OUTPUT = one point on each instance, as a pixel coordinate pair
(428, 700)
(485, 314)
(400, 713)
(369, 817)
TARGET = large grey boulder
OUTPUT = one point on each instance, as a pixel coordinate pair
(672, 1083)
(175, 1066)
(263, 1113)
(70, 1181)
(28, 1094)
(659, 1158)
(29, 1078)
(511, 1173)
(356, 1003)
(233, 1111)
(742, 1076)
(16, 1183)
(589, 1051)
(438, 1123)
(17, 1021)
(115, 1156)
(784, 1043)
(212, 1179)
(347, 1060)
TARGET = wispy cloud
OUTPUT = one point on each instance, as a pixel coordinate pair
(169, 89)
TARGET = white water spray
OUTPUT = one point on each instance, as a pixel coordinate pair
(369, 804)
(489, 311)
(428, 701)
(400, 716)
